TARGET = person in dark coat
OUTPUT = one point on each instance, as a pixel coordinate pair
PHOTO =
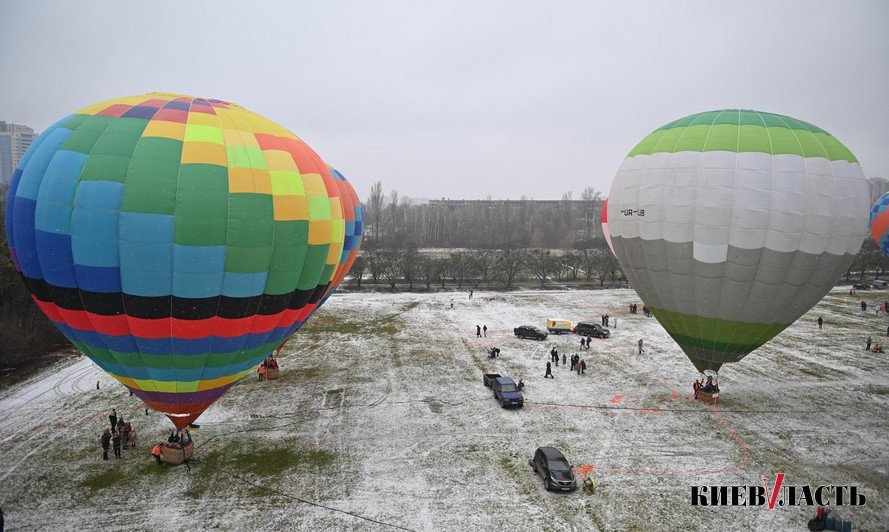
(564, 359)
(582, 366)
(869, 342)
(478, 331)
(113, 418)
(549, 371)
(115, 440)
(588, 340)
(485, 330)
(554, 355)
(863, 305)
(106, 443)
(820, 322)
(582, 342)
(640, 346)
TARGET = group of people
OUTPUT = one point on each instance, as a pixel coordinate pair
(874, 347)
(270, 362)
(634, 309)
(585, 342)
(119, 435)
(577, 364)
(606, 320)
(707, 386)
(179, 439)
(479, 330)
(493, 352)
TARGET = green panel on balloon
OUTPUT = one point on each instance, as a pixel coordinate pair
(250, 233)
(288, 260)
(201, 205)
(715, 334)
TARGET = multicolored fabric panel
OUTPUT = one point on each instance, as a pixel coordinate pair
(732, 224)
(879, 222)
(176, 240)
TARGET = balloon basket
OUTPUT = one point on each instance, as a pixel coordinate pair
(709, 398)
(176, 456)
(272, 373)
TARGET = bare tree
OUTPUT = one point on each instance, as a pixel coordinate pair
(408, 262)
(356, 272)
(508, 265)
(457, 266)
(374, 212)
(541, 264)
(430, 270)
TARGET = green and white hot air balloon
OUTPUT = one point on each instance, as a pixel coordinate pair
(732, 224)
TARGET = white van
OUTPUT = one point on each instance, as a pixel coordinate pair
(880, 284)
(558, 326)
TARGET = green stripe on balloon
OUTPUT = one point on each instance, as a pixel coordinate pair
(715, 334)
(772, 134)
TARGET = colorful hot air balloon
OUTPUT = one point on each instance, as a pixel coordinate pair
(606, 232)
(354, 231)
(177, 240)
(879, 223)
(732, 224)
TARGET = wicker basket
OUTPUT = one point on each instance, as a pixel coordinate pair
(172, 455)
(272, 373)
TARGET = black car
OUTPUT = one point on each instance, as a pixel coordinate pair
(592, 329)
(529, 331)
(554, 469)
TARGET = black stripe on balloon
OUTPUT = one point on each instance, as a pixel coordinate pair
(116, 303)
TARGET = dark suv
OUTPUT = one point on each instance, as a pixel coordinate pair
(554, 469)
(592, 329)
(529, 331)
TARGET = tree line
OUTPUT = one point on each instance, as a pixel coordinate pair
(450, 244)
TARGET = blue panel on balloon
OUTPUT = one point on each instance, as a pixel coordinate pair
(198, 271)
(57, 264)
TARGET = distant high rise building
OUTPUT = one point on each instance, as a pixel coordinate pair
(15, 139)
(878, 186)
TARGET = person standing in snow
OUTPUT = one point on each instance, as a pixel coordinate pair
(820, 322)
(478, 331)
(582, 342)
(863, 306)
(549, 371)
(869, 341)
(564, 359)
(485, 330)
(106, 443)
(582, 366)
(115, 440)
(112, 417)
(640, 346)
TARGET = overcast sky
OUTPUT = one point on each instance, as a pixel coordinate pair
(464, 99)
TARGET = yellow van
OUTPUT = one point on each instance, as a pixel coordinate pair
(557, 326)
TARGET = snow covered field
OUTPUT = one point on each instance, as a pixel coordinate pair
(380, 420)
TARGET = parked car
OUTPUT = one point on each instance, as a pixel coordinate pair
(507, 392)
(554, 469)
(880, 284)
(861, 286)
(592, 329)
(557, 326)
(530, 331)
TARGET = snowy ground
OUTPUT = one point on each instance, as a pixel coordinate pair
(381, 412)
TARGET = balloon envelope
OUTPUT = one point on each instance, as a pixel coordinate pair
(879, 223)
(606, 232)
(732, 224)
(176, 240)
